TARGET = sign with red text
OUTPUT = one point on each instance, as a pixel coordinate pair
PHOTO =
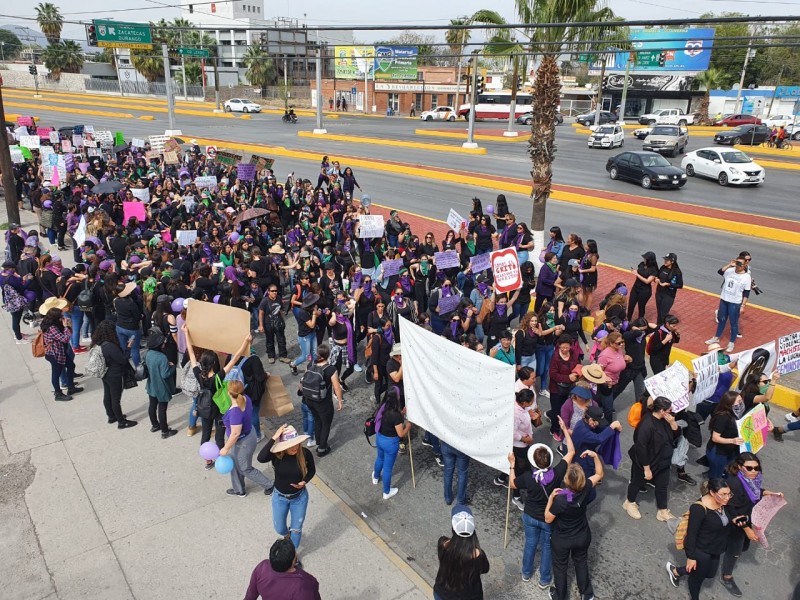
(505, 266)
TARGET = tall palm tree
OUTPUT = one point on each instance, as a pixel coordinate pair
(149, 63)
(708, 80)
(50, 21)
(63, 57)
(194, 74)
(260, 67)
(456, 39)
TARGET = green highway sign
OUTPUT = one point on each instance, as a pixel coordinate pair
(115, 34)
(584, 58)
(195, 52)
(647, 59)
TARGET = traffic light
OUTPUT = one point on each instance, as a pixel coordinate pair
(91, 35)
(662, 59)
(519, 82)
(479, 85)
(32, 70)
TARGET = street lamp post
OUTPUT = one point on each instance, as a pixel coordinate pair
(3, 51)
(470, 143)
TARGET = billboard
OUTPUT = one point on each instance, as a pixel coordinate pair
(649, 82)
(685, 49)
(385, 63)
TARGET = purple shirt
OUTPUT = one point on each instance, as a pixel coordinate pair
(281, 586)
(237, 416)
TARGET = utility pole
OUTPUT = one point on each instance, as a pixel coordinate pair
(285, 83)
(631, 59)
(7, 169)
(216, 79)
(183, 63)
(599, 102)
(116, 68)
(775, 93)
(319, 130)
(744, 71)
(470, 143)
(513, 107)
(168, 86)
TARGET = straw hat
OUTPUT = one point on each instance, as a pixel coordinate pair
(288, 438)
(129, 287)
(276, 249)
(713, 348)
(594, 373)
(53, 302)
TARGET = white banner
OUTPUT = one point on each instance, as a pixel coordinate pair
(673, 384)
(758, 360)
(370, 226)
(142, 194)
(455, 221)
(29, 141)
(206, 181)
(463, 397)
(79, 237)
(706, 372)
(186, 237)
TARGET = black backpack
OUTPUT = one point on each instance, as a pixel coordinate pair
(84, 299)
(205, 403)
(313, 386)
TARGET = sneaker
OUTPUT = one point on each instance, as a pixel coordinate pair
(323, 451)
(777, 433)
(76, 376)
(561, 449)
(543, 586)
(426, 442)
(664, 515)
(231, 492)
(644, 489)
(716, 316)
(268, 491)
(713, 340)
(686, 478)
(23, 341)
(209, 465)
(168, 433)
(403, 449)
(392, 492)
(552, 592)
(374, 479)
(358, 368)
(345, 388)
(272, 360)
(526, 578)
(632, 509)
(501, 482)
(791, 417)
(730, 347)
(439, 461)
(127, 424)
(518, 503)
(293, 367)
(650, 483)
(731, 586)
(311, 443)
(739, 335)
(673, 579)
(557, 436)
(155, 428)
(79, 350)
(74, 390)
(298, 564)
(545, 393)
(285, 359)
(62, 397)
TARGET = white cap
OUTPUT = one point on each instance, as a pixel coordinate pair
(462, 520)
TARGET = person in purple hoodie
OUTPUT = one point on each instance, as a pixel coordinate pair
(546, 284)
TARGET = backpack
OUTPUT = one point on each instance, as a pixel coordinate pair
(635, 414)
(84, 299)
(236, 373)
(373, 424)
(38, 347)
(13, 301)
(313, 385)
(205, 403)
(96, 364)
(221, 398)
(649, 346)
(368, 348)
(683, 527)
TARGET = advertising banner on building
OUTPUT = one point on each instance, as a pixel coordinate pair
(648, 83)
(685, 49)
(395, 62)
(353, 62)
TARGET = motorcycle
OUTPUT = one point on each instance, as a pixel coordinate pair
(289, 117)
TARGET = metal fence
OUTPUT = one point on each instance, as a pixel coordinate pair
(144, 88)
(299, 96)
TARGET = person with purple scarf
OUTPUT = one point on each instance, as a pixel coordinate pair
(745, 479)
(342, 343)
(401, 306)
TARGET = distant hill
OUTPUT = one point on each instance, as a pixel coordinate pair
(28, 35)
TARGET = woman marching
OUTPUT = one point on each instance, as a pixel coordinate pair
(294, 468)
(461, 560)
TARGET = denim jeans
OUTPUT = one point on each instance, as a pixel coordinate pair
(193, 416)
(544, 354)
(56, 371)
(537, 534)
(387, 447)
(716, 463)
(452, 459)
(124, 336)
(70, 359)
(308, 347)
(728, 310)
(256, 421)
(528, 361)
(76, 314)
(436, 445)
(308, 420)
(294, 507)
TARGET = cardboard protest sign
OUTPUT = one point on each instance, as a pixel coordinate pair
(105, 138)
(157, 142)
(119, 138)
(789, 353)
(446, 260)
(261, 162)
(171, 145)
(44, 132)
(54, 164)
(171, 157)
(480, 262)
(392, 267)
(673, 384)
(209, 181)
(142, 194)
(217, 327)
(186, 237)
(24, 121)
(753, 429)
(89, 143)
(757, 360)
(134, 209)
(152, 155)
(16, 155)
(88, 129)
(276, 401)
(66, 145)
(505, 266)
(455, 220)
(137, 142)
(370, 226)
(246, 171)
(69, 162)
(706, 372)
(19, 132)
(77, 141)
(53, 137)
(227, 158)
(83, 166)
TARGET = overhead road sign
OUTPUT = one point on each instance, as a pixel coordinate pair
(116, 34)
(194, 52)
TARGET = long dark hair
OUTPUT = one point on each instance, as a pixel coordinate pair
(751, 384)
(392, 402)
(501, 206)
(592, 246)
(105, 332)
(724, 407)
(457, 566)
(558, 236)
(209, 361)
(53, 319)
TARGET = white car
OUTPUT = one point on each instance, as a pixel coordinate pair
(642, 132)
(793, 130)
(241, 105)
(727, 166)
(440, 113)
(778, 121)
(607, 136)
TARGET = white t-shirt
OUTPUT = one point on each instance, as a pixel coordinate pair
(733, 284)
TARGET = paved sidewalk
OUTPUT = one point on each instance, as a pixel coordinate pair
(92, 512)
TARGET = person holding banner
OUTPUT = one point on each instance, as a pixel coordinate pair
(759, 389)
(387, 442)
(725, 439)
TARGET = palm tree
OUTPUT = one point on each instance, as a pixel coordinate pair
(456, 39)
(260, 68)
(50, 21)
(194, 74)
(63, 57)
(149, 63)
(708, 80)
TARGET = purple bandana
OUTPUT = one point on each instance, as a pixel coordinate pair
(351, 346)
(484, 289)
(454, 327)
(501, 309)
(388, 335)
(446, 291)
(544, 476)
(405, 284)
(566, 492)
(751, 486)
(398, 299)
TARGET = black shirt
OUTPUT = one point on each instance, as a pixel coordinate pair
(303, 317)
(707, 531)
(472, 589)
(115, 360)
(389, 421)
(725, 425)
(287, 470)
(671, 275)
(571, 521)
(536, 498)
(645, 272)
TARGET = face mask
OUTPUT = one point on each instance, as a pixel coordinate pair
(763, 388)
(738, 410)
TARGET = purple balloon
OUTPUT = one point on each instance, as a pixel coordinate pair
(209, 451)
(224, 465)
(234, 237)
(177, 305)
(490, 209)
(216, 299)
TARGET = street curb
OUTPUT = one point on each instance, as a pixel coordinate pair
(79, 111)
(389, 142)
(477, 136)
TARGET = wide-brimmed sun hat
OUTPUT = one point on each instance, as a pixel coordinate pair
(53, 302)
(288, 438)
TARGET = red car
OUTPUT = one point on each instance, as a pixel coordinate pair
(736, 120)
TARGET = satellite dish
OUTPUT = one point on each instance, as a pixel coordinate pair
(365, 201)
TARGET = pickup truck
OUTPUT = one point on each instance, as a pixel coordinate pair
(667, 139)
(667, 116)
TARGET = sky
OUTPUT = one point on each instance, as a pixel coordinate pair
(361, 12)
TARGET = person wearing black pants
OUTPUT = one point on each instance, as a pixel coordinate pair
(381, 347)
(323, 409)
(661, 343)
(642, 289)
(707, 535)
(669, 280)
(105, 336)
(651, 455)
(562, 379)
(571, 535)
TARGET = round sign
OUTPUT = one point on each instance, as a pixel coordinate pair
(211, 151)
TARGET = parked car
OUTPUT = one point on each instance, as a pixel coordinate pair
(607, 136)
(440, 113)
(778, 120)
(527, 117)
(587, 119)
(744, 134)
(648, 169)
(793, 131)
(642, 132)
(736, 120)
(667, 116)
(241, 105)
(727, 166)
(669, 139)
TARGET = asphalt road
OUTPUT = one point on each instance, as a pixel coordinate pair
(621, 239)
